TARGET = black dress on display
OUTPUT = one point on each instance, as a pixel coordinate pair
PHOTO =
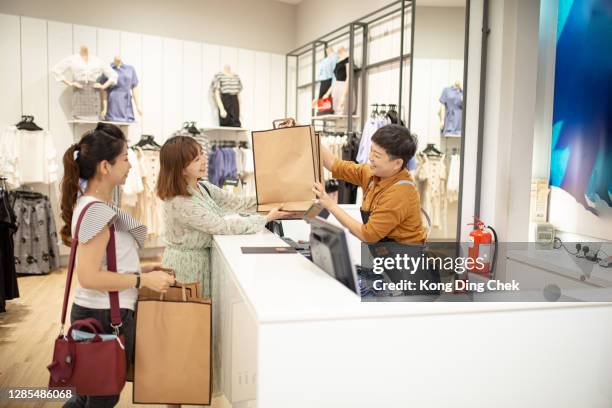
(8, 276)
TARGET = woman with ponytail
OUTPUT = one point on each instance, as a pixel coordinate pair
(93, 167)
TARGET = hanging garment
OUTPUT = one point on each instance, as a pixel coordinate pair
(148, 206)
(83, 71)
(452, 185)
(35, 242)
(370, 127)
(232, 109)
(120, 95)
(431, 175)
(248, 177)
(86, 102)
(222, 165)
(347, 192)
(8, 275)
(452, 99)
(27, 157)
(133, 184)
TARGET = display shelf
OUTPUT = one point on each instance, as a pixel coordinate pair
(225, 128)
(452, 136)
(333, 117)
(95, 122)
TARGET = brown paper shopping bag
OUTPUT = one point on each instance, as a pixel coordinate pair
(287, 163)
(173, 349)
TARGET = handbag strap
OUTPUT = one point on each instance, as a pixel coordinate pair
(111, 261)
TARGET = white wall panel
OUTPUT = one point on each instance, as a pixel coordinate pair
(291, 88)
(59, 45)
(85, 35)
(173, 87)
(304, 107)
(211, 64)
(246, 70)
(192, 82)
(152, 86)
(34, 70)
(261, 109)
(59, 40)
(109, 44)
(10, 72)
(229, 56)
(131, 54)
(277, 88)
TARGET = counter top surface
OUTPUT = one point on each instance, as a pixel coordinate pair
(561, 262)
(288, 287)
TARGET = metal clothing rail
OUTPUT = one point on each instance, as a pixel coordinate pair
(350, 29)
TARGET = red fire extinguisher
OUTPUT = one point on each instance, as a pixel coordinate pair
(482, 250)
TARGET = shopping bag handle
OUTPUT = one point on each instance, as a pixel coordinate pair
(283, 123)
(176, 285)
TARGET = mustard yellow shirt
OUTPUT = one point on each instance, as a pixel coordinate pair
(395, 210)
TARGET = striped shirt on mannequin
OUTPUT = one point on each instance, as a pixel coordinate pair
(227, 84)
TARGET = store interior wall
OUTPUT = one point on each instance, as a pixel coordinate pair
(264, 25)
(440, 32)
(439, 45)
(315, 18)
(174, 80)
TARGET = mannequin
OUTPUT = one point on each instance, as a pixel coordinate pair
(451, 109)
(326, 71)
(117, 100)
(227, 86)
(340, 88)
(86, 70)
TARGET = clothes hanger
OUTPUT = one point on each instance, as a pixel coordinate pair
(431, 150)
(147, 141)
(27, 123)
(24, 191)
(192, 128)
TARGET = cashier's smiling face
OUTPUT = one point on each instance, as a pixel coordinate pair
(198, 168)
(381, 164)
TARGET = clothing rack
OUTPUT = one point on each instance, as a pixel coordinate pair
(350, 29)
(228, 143)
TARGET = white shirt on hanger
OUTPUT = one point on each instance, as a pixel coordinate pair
(27, 157)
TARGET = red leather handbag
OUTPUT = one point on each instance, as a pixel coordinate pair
(95, 366)
(324, 106)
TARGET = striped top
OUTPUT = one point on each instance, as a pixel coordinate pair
(129, 235)
(227, 84)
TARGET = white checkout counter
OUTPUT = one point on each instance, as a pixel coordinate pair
(287, 335)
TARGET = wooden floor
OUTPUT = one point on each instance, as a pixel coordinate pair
(27, 331)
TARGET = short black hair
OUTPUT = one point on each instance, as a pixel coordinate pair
(397, 141)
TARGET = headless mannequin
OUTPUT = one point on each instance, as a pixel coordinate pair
(342, 54)
(84, 53)
(222, 112)
(118, 62)
(442, 111)
(328, 51)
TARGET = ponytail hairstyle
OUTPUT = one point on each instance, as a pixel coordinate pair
(105, 142)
